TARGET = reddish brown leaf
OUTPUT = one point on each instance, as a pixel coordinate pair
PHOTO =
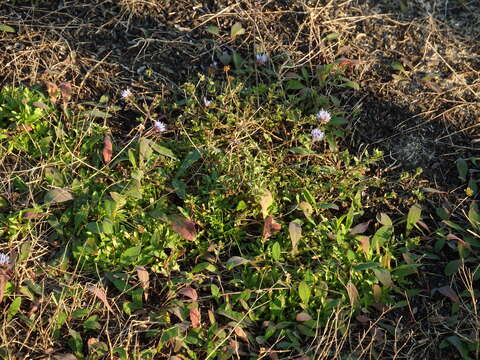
(360, 228)
(107, 149)
(188, 292)
(144, 278)
(456, 238)
(100, 293)
(3, 281)
(303, 317)
(270, 227)
(449, 292)
(184, 227)
(365, 243)
(66, 91)
(53, 91)
(241, 333)
(31, 215)
(195, 317)
(363, 319)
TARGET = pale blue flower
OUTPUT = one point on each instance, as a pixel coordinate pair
(323, 116)
(4, 259)
(160, 126)
(261, 59)
(206, 102)
(317, 135)
(126, 94)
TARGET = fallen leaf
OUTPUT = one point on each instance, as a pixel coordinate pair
(40, 105)
(295, 231)
(363, 319)
(31, 215)
(189, 292)
(184, 227)
(66, 91)
(64, 357)
(303, 317)
(306, 208)
(240, 333)
(353, 294)
(195, 318)
(377, 292)
(144, 278)
(4, 277)
(266, 200)
(449, 292)
(235, 261)
(107, 149)
(360, 228)
(100, 293)
(270, 227)
(57, 195)
(53, 91)
(365, 244)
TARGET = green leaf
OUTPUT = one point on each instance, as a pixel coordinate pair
(381, 237)
(366, 266)
(460, 346)
(7, 28)
(452, 267)
(130, 255)
(163, 150)
(352, 84)
(204, 266)
(236, 30)
(462, 168)
(397, 66)
(474, 215)
(276, 251)
(328, 206)
(235, 261)
(213, 30)
(91, 323)
(75, 342)
(294, 85)
(304, 292)
(384, 276)
(57, 195)
(189, 160)
(332, 36)
(414, 215)
(145, 150)
(14, 308)
(95, 113)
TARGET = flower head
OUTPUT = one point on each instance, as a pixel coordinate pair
(126, 93)
(261, 59)
(160, 126)
(323, 116)
(317, 135)
(4, 259)
(206, 102)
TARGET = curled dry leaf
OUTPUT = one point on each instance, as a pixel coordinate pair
(353, 294)
(303, 317)
(53, 91)
(270, 227)
(100, 293)
(360, 228)
(66, 91)
(107, 149)
(266, 200)
(449, 292)
(144, 278)
(188, 292)
(184, 227)
(31, 215)
(295, 231)
(240, 333)
(195, 318)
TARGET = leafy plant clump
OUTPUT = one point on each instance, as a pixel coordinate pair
(230, 198)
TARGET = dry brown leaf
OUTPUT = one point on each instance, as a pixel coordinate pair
(270, 227)
(4, 277)
(66, 91)
(184, 227)
(377, 292)
(363, 319)
(241, 333)
(53, 91)
(195, 318)
(360, 228)
(364, 243)
(353, 294)
(295, 231)
(64, 357)
(188, 292)
(449, 292)
(31, 215)
(107, 149)
(266, 200)
(100, 293)
(144, 278)
(303, 317)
